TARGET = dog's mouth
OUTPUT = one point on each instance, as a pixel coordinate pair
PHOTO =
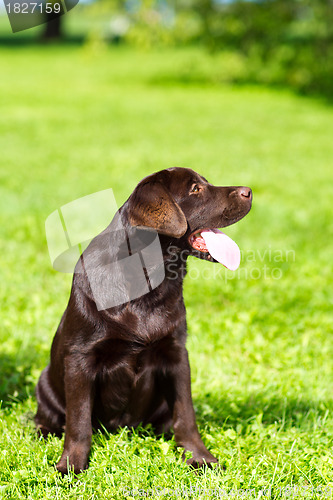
(217, 245)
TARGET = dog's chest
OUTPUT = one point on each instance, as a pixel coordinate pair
(130, 378)
(135, 356)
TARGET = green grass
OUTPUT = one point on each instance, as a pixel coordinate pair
(75, 121)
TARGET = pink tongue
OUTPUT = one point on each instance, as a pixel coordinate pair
(222, 248)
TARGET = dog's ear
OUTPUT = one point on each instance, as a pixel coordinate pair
(151, 205)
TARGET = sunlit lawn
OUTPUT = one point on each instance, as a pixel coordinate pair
(74, 121)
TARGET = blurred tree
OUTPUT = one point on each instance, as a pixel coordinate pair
(53, 28)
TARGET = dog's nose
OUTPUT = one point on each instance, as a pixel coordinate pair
(245, 192)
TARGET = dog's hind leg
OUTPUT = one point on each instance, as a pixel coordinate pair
(161, 419)
(50, 416)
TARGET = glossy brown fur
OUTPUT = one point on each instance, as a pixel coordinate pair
(128, 364)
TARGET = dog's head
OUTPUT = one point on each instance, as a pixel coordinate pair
(183, 206)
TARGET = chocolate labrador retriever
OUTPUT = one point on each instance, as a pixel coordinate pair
(118, 361)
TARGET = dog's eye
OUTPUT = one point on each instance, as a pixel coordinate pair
(195, 188)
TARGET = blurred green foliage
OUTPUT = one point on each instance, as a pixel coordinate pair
(283, 41)
(276, 42)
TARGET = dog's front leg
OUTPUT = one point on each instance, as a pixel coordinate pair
(184, 425)
(78, 430)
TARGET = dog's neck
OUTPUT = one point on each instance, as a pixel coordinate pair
(175, 259)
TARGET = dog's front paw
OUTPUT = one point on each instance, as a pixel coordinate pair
(71, 463)
(201, 458)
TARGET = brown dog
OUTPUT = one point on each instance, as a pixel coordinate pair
(121, 362)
